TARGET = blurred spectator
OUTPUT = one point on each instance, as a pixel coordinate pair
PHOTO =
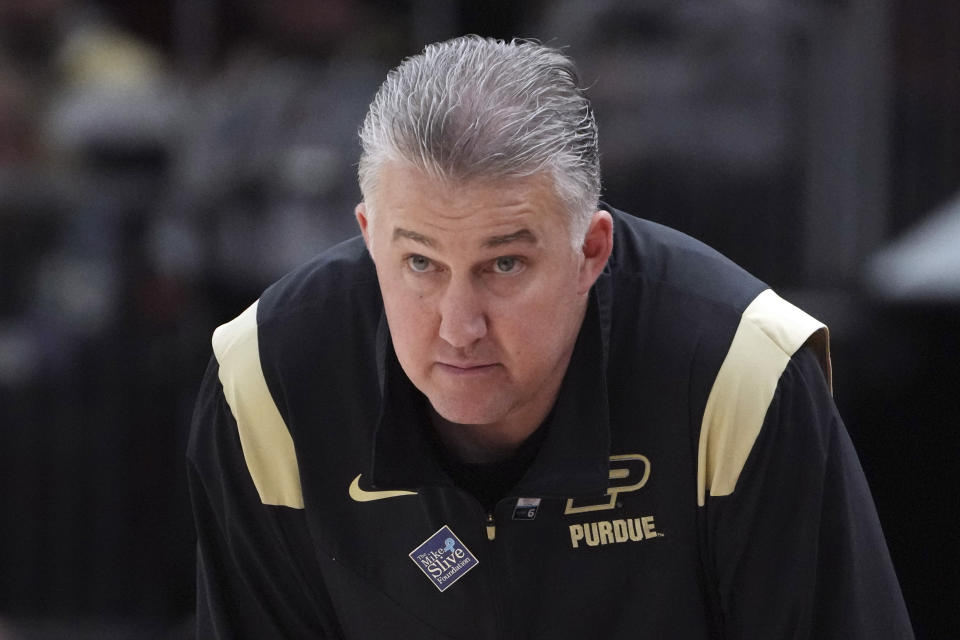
(697, 106)
(17, 127)
(138, 207)
(87, 439)
(265, 175)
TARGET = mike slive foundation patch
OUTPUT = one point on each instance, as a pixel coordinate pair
(443, 558)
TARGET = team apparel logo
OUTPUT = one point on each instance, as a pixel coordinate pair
(613, 531)
(443, 558)
(360, 495)
(628, 472)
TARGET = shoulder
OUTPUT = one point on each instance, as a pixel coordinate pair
(695, 294)
(330, 281)
(680, 302)
(670, 262)
(767, 340)
(728, 336)
(270, 352)
(319, 307)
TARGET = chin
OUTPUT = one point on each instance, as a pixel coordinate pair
(466, 412)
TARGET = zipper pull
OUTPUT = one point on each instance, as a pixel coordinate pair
(491, 527)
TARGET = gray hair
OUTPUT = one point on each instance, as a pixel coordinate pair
(479, 108)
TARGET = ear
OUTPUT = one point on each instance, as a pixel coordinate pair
(361, 214)
(597, 246)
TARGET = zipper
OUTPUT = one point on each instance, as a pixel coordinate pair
(491, 526)
(497, 590)
(493, 571)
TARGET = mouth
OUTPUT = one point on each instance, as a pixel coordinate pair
(466, 369)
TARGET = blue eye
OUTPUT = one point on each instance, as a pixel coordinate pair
(506, 264)
(418, 263)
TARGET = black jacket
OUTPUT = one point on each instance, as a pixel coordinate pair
(694, 479)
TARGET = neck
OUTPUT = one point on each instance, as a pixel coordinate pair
(481, 442)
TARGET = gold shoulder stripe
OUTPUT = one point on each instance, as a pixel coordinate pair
(771, 330)
(266, 442)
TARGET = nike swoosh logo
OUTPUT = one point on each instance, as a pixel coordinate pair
(359, 495)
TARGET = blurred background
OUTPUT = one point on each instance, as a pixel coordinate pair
(162, 161)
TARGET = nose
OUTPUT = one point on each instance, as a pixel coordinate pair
(462, 318)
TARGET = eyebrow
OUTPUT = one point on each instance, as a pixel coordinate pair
(522, 235)
(400, 232)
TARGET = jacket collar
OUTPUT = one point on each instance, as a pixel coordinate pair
(573, 460)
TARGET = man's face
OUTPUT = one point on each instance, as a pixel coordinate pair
(483, 293)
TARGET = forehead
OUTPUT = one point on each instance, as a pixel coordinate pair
(406, 197)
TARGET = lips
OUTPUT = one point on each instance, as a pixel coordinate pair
(461, 368)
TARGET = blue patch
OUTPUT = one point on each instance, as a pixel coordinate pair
(443, 558)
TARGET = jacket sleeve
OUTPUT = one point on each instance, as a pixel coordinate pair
(257, 573)
(795, 548)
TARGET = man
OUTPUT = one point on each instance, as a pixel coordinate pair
(509, 411)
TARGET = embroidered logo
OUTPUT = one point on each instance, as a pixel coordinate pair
(359, 495)
(443, 558)
(628, 472)
(606, 532)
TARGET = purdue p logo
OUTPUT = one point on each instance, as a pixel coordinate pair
(628, 472)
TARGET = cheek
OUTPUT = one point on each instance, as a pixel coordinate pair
(409, 317)
(538, 327)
